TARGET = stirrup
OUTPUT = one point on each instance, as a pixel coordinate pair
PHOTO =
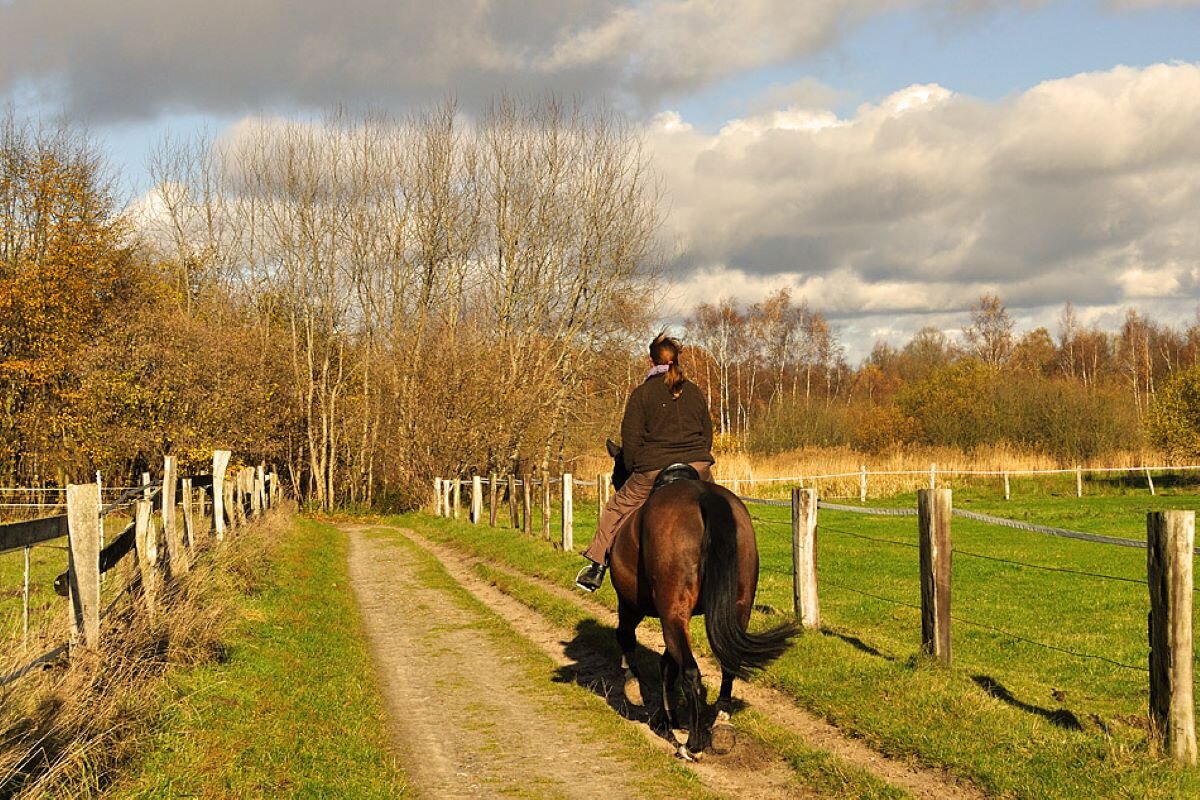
(591, 577)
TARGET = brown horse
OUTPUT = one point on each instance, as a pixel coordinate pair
(688, 551)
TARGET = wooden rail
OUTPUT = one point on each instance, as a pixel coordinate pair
(246, 494)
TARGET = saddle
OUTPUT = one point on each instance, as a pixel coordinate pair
(675, 472)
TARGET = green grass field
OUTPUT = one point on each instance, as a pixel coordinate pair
(1023, 718)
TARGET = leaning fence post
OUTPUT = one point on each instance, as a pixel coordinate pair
(1149, 481)
(862, 483)
(804, 557)
(476, 499)
(83, 581)
(568, 512)
(1170, 537)
(493, 494)
(933, 510)
(1078, 481)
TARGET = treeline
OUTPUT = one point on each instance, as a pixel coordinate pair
(363, 302)
(776, 379)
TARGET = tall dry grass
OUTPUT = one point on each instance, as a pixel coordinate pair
(754, 472)
(67, 730)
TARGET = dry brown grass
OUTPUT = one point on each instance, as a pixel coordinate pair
(753, 471)
(65, 731)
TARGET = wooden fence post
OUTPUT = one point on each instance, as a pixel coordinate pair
(437, 497)
(932, 477)
(260, 487)
(804, 557)
(177, 558)
(1150, 482)
(568, 512)
(514, 517)
(229, 500)
(546, 503)
(25, 598)
(83, 576)
(456, 488)
(189, 522)
(933, 508)
(862, 483)
(476, 499)
(1170, 537)
(600, 503)
(527, 503)
(447, 491)
(1007, 493)
(493, 494)
(1078, 481)
(146, 543)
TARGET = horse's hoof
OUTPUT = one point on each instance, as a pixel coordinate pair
(681, 751)
(724, 737)
(633, 691)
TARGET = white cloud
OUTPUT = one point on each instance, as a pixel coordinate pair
(1083, 189)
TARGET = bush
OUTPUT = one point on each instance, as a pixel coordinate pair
(1174, 420)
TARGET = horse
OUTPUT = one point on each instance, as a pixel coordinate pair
(690, 551)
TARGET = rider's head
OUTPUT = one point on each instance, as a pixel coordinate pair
(665, 350)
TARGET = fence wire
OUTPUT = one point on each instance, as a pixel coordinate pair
(978, 517)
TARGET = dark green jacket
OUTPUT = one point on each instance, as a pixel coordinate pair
(659, 430)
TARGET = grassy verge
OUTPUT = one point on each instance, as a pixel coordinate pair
(293, 710)
(1016, 718)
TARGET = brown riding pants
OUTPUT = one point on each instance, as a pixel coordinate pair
(623, 503)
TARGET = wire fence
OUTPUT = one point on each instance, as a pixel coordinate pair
(824, 528)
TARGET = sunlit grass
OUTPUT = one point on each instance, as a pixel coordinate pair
(1012, 715)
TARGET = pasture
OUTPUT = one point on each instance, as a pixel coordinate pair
(1047, 695)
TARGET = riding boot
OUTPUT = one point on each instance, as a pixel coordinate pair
(591, 577)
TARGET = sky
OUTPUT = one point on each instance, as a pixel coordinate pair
(887, 161)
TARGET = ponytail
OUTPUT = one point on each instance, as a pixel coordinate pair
(665, 350)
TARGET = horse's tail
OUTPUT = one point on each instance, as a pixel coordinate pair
(738, 651)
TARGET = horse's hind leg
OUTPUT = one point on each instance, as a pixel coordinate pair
(679, 646)
(723, 735)
(628, 618)
(668, 673)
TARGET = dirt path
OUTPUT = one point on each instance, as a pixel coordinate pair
(467, 721)
(751, 771)
(933, 784)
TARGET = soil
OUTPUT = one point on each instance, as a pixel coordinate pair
(468, 722)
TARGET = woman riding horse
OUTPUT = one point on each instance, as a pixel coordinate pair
(680, 545)
(666, 422)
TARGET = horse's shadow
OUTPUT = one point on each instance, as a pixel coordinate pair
(595, 664)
